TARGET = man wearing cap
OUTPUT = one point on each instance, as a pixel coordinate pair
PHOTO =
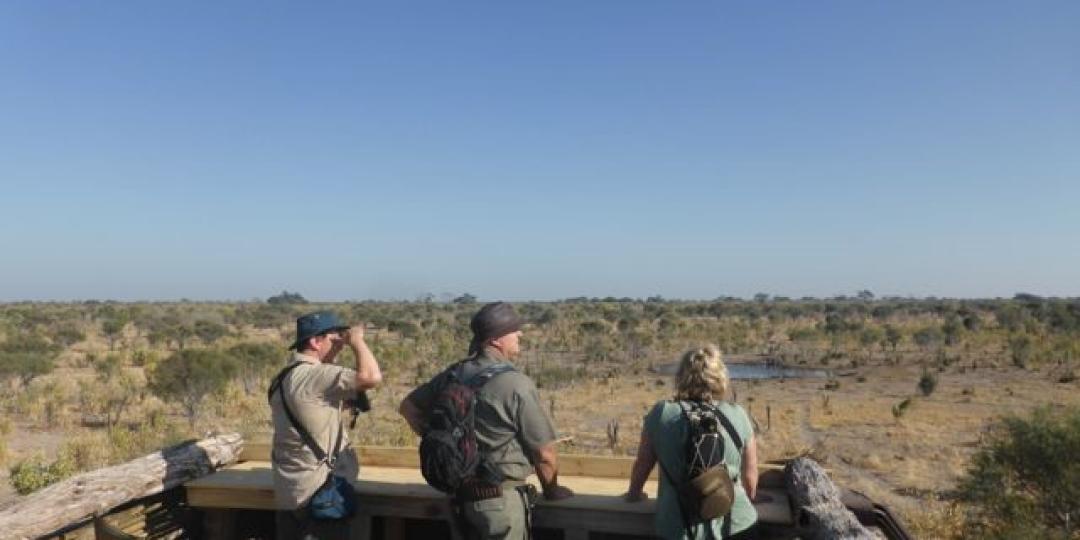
(512, 429)
(316, 391)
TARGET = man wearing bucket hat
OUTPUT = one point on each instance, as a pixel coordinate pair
(514, 436)
(308, 396)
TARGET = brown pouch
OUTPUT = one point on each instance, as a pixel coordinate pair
(712, 491)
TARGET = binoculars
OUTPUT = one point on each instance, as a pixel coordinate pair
(359, 404)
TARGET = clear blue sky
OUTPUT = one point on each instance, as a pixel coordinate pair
(229, 150)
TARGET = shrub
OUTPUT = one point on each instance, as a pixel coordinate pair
(927, 383)
(109, 367)
(25, 365)
(144, 358)
(1021, 348)
(1024, 481)
(5, 430)
(34, 473)
(899, 409)
(254, 363)
(189, 376)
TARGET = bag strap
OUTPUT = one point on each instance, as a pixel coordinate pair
(727, 426)
(320, 454)
(479, 379)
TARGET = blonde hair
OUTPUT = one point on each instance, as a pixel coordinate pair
(702, 375)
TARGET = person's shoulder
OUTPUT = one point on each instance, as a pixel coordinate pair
(735, 412)
(663, 408)
(439, 378)
(324, 370)
(507, 377)
(730, 407)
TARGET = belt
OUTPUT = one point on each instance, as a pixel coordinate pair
(482, 491)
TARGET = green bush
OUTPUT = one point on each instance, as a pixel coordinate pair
(109, 368)
(189, 376)
(927, 383)
(1024, 481)
(901, 408)
(34, 473)
(255, 362)
(5, 430)
(25, 366)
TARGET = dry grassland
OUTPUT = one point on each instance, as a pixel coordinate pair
(909, 460)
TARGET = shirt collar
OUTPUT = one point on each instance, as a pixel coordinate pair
(301, 357)
(493, 354)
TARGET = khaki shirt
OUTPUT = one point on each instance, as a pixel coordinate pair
(315, 393)
(511, 425)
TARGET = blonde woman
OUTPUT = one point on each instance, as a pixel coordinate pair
(702, 380)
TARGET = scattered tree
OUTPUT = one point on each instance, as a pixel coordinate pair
(254, 363)
(466, 299)
(287, 297)
(25, 366)
(189, 376)
(927, 383)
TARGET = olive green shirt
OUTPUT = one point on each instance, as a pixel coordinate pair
(511, 425)
(315, 393)
(667, 431)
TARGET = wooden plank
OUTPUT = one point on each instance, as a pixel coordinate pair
(390, 491)
(408, 457)
(256, 451)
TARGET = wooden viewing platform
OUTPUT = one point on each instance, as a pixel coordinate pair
(221, 488)
(391, 490)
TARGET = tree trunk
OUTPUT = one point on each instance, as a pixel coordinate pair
(83, 497)
(817, 502)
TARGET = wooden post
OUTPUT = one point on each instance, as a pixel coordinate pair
(78, 499)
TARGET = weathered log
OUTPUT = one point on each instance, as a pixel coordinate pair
(817, 504)
(85, 496)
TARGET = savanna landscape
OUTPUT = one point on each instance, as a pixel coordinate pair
(912, 413)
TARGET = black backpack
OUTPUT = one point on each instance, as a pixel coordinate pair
(449, 454)
(706, 490)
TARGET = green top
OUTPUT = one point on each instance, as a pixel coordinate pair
(511, 425)
(666, 429)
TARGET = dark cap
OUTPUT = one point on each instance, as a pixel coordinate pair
(313, 324)
(493, 321)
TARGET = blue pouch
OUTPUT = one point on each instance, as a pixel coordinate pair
(334, 500)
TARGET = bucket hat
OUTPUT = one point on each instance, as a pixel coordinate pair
(313, 324)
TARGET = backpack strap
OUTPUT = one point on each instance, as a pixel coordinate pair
(320, 454)
(481, 378)
(727, 426)
(725, 529)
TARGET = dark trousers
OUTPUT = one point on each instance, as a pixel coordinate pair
(296, 525)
